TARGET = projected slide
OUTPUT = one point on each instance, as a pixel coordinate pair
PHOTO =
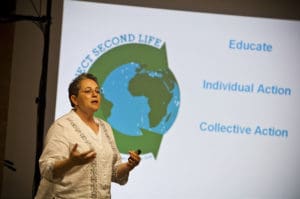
(211, 100)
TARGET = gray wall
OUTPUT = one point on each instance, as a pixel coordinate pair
(18, 142)
(24, 88)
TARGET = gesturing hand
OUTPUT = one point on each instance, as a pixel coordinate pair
(81, 158)
(134, 159)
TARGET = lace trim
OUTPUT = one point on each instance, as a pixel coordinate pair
(93, 171)
(114, 148)
(111, 143)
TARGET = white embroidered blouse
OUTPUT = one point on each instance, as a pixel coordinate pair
(92, 180)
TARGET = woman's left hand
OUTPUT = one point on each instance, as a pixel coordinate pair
(133, 160)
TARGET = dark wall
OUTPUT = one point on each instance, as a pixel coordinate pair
(283, 9)
(6, 41)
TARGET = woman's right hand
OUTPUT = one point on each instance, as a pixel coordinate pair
(77, 158)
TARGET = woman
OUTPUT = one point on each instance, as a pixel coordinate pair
(80, 158)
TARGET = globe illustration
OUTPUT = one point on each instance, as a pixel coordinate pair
(140, 95)
(146, 97)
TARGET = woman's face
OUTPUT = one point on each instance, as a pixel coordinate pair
(88, 99)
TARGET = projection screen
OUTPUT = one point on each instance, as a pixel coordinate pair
(211, 100)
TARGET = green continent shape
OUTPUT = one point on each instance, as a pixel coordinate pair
(158, 93)
(154, 59)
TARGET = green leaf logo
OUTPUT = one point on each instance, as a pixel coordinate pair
(141, 96)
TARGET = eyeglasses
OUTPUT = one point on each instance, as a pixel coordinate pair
(90, 91)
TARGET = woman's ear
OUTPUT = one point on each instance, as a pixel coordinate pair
(74, 100)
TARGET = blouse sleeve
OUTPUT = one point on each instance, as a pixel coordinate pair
(119, 179)
(55, 148)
